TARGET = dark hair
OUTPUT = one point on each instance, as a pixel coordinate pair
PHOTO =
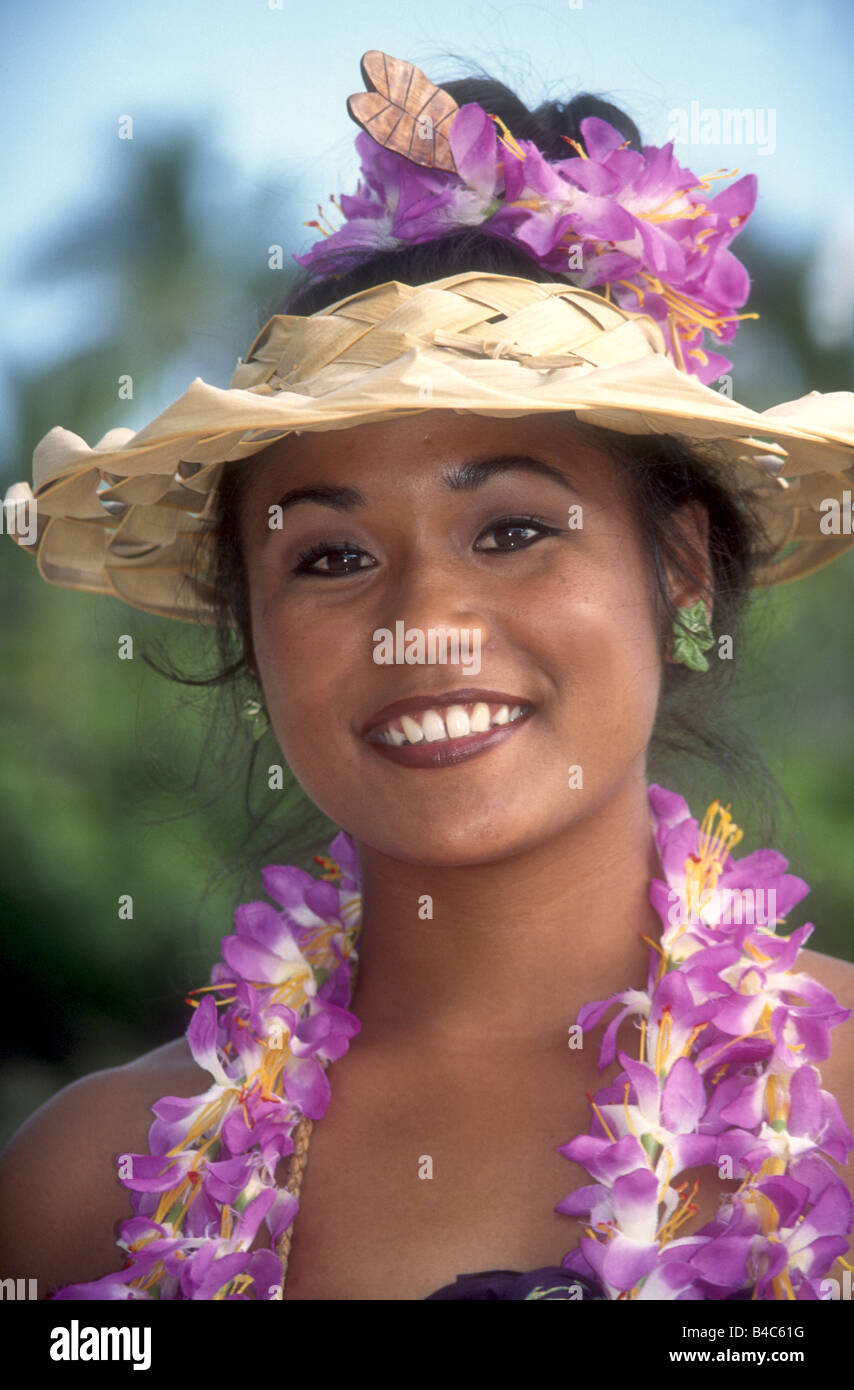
(663, 472)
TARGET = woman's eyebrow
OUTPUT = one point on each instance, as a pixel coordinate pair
(463, 477)
(341, 499)
(467, 477)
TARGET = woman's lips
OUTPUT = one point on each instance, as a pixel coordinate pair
(449, 752)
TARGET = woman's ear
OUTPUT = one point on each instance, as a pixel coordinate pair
(692, 581)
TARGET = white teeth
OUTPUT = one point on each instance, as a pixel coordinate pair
(413, 731)
(458, 721)
(479, 719)
(433, 726)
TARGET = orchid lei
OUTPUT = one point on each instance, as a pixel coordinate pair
(268, 1024)
(636, 222)
(730, 1035)
(729, 1039)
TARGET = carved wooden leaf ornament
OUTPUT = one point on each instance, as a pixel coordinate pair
(403, 111)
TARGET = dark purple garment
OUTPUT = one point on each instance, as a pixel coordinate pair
(550, 1282)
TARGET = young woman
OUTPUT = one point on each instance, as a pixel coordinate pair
(445, 440)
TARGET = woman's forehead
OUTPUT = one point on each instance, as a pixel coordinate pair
(424, 443)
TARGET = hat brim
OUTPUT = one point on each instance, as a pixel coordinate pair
(125, 517)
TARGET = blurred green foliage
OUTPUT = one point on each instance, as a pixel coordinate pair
(100, 756)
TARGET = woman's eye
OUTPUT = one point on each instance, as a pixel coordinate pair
(518, 531)
(331, 560)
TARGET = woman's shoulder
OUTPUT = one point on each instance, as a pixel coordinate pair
(827, 969)
(835, 974)
(61, 1201)
(837, 1071)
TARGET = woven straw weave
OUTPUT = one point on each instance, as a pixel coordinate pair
(124, 517)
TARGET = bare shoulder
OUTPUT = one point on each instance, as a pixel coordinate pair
(837, 1071)
(836, 974)
(61, 1202)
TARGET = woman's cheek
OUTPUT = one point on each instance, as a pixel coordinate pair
(310, 698)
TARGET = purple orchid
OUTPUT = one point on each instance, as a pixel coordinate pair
(202, 1192)
(637, 222)
(731, 1030)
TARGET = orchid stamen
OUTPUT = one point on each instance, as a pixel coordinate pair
(509, 141)
(626, 1090)
(666, 1181)
(695, 1033)
(684, 1211)
(332, 871)
(687, 215)
(152, 1278)
(691, 315)
(662, 1040)
(706, 179)
(755, 952)
(579, 149)
(323, 219)
(757, 1033)
(600, 1117)
(636, 290)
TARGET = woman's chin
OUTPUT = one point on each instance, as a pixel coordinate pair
(453, 840)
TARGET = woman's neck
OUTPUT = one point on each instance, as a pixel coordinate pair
(513, 948)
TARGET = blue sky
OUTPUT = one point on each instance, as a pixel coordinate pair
(266, 82)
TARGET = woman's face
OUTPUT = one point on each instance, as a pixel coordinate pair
(412, 522)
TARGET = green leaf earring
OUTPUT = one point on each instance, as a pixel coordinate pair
(254, 711)
(692, 636)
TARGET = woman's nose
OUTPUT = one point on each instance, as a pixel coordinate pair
(429, 612)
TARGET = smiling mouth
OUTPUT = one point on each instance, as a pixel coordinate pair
(445, 734)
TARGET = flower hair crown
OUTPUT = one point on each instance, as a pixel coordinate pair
(636, 222)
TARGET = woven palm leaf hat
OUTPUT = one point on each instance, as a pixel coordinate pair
(132, 516)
